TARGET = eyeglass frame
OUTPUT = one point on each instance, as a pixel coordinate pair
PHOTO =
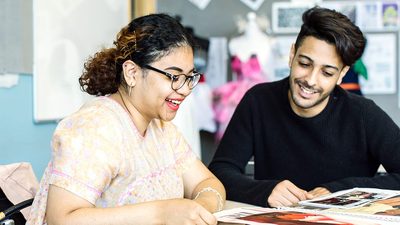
(172, 77)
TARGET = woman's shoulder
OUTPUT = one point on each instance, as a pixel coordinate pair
(100, 106)
(94, 123)
(98, 111)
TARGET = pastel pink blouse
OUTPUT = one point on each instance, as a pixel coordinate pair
(99, 155)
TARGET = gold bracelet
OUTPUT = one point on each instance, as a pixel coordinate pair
(220, 201)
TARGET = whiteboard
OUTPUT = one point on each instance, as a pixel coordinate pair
(380, 57)
(66, 33)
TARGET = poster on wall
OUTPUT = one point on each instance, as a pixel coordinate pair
(286, 16)
(66, 33)
(282, 48)
(380, 59)
(369, 16)
(346, 8)
(390, 14)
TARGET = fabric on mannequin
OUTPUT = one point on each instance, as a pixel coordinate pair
(217, 65)
(228, 96)
(251, 54)
(253, 42)
(215, 76)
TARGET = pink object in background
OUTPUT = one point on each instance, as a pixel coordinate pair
(228, 96)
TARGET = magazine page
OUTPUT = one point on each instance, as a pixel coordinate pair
(258, 216)
(350, 198)
(386, 210)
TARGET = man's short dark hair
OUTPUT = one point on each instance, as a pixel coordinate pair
(335, 28)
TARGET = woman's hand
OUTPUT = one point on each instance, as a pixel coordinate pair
(185, 211)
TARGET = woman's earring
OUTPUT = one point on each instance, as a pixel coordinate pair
(130, 90)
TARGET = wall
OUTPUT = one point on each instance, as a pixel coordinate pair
(218, 19)
(20, 138)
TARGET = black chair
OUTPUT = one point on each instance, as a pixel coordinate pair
(10, 214)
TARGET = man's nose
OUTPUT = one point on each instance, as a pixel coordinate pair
(313, 76)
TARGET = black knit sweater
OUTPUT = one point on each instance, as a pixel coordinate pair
(340, 148)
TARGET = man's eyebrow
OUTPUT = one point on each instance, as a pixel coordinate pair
(326, 66)
(304, 56)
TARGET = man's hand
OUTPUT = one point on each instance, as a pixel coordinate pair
(286, 193)
(319, 191)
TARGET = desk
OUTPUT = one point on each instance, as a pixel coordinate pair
(358, 220)
(230, 205)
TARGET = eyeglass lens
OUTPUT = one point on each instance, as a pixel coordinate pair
(179, 80)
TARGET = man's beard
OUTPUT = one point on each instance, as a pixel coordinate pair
(297, 100)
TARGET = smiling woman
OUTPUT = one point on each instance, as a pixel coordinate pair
(119, 159)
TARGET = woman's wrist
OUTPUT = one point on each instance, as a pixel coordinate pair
(208, 193)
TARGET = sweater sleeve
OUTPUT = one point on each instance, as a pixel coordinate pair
(383, 138)
(233, 154)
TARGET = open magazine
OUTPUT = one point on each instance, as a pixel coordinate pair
(350, 198)
(258, 216)
(373, 204)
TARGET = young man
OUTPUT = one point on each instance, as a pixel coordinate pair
(308, 136)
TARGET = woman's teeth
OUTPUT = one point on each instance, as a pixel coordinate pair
(176, 102)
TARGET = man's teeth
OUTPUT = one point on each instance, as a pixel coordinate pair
(176, 102)
(307, 91)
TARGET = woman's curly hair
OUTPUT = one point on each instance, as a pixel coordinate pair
(144, 40)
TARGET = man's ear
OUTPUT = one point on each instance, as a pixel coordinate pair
(291, 55)
(342, 74)
(130, 70)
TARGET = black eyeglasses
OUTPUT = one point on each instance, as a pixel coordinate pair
(178, 80)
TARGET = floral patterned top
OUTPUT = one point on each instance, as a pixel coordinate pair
(99, 155)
